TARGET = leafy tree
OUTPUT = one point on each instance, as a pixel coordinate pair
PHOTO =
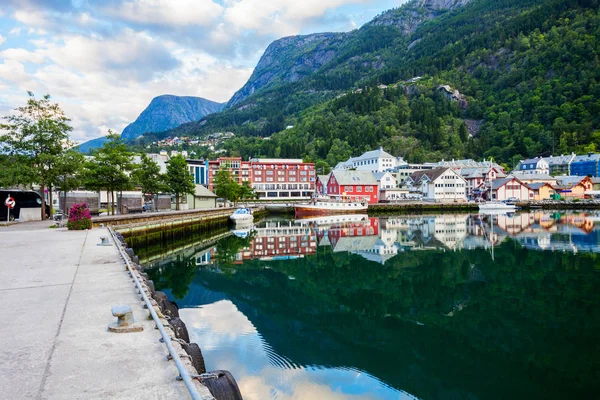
(68, 171)
(35, 139)
(225, 186)
(178, 179)
(110, 168)
(246, 192)
(149, 178)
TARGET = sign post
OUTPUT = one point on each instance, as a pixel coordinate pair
(9, 203)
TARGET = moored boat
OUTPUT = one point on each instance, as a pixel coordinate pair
(242, 215)
(329, 207)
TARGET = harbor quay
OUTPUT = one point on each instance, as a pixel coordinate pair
(57, 291)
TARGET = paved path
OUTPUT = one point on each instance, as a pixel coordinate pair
(57, 288)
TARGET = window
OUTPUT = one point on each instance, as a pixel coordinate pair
(359, 189)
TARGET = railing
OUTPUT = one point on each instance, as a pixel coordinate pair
(183, 372)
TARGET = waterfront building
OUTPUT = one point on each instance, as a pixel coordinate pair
(534, 178)
(373, 161)
(321, 185)
(585, 165)
(574, 186)
(199, 170)
(509, 187)
(560, 165)
(439, 185)
(476, 176)
(271, 178)
(353, 185)
(541, 190)
(536, 165)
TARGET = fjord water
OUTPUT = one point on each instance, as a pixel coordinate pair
(432, 307)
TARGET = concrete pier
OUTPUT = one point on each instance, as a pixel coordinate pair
(57, 289)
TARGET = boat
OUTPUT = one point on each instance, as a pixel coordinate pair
(242, 215)
(327, 207)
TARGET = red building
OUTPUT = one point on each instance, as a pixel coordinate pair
(353, 185)
(271, 178)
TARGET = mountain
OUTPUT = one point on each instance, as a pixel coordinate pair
(167, 112)
(91, 145)
(526, 72)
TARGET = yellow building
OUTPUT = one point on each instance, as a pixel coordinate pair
(541, 190)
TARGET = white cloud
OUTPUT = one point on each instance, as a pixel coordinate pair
(103, 62)
(278, 17)
(169, 12)
(22, 55)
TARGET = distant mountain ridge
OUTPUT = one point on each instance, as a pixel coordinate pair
(167, 111)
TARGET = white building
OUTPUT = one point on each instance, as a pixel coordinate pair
(439, 185)
(534, 166)
(374, 161)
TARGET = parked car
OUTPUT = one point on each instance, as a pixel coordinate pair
(511, 200)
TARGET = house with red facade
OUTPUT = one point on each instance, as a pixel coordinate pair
(321, 185)
(353, 185)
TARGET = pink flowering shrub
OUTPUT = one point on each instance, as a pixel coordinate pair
(79, 217)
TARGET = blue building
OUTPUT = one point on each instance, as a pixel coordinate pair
(586, 165)
(199, 170)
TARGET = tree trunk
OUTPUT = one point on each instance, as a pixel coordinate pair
(112, 202)
(177, 201)
(50, 197)
(42, 190)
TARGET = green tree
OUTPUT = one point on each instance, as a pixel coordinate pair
(68, 171)
(225, 186)
(149, 178)
(246, 192)
(178, 179)
(111, 168)
(34, 140)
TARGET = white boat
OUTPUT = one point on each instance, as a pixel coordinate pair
(242, 215)
(329, 207)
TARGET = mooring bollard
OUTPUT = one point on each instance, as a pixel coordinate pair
(104, 241)
(125, 322)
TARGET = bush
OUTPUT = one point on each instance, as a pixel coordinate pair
(79, 217)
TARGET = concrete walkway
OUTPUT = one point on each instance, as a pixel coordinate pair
(57, 288)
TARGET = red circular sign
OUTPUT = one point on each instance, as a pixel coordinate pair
(9, 202)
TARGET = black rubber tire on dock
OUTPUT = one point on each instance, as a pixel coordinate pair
(224, 387)
(197, 359)
(170, 309)
(180, 329)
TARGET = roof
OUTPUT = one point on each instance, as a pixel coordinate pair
(497, 183)
(560, 160)
(432, 174)
(536, 177)
(375, 154)
(324, 178)
(379, 175)
(202, 191)
(587, 158)
(569, 181)
(532, 160)
(354, 177)
(537, 185)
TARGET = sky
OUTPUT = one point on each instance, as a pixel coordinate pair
(104, 60)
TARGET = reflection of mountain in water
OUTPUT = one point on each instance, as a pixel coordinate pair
(436, 324)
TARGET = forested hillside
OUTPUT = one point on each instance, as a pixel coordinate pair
(529, 71)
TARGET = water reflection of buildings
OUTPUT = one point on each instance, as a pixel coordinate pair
(380, 239)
